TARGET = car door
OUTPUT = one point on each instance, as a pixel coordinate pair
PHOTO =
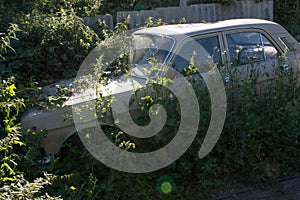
(205, 50)
(251, 54)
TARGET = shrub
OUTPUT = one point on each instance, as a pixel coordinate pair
(260, 140)
(13, 184)
(261, 130)
(62, 41)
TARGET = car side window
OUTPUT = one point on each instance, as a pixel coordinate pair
(286, 43)
(270, 51)
(191, 49)
(249, 47)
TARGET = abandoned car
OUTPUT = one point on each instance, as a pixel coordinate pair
(235, 43)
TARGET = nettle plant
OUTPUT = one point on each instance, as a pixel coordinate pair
(13, 151)
(261, 133)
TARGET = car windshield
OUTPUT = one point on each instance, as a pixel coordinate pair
(148, 50)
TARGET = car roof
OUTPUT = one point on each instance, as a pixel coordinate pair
(191, 28)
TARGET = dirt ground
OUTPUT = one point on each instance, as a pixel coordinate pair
(289, 189)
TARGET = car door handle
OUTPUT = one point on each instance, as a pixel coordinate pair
(226, 79)
(285, 67)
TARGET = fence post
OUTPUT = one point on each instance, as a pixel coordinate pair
(183, 3)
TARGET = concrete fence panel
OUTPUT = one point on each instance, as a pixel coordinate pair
(93, 22)
(202, 12)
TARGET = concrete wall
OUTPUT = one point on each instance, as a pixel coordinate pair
(202, 12)
(192, 14)
(93, 22)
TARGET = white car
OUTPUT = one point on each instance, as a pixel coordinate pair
(235, 43)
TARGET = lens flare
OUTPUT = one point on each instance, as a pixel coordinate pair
(165, 184)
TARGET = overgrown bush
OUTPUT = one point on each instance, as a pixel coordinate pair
(53, 41)
(259, 143)
(261, 133)
(13, 150)
(13, 184)
(62, 41)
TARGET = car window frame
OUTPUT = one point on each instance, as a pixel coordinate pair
(286, 42)
(247, 30)
(197, 36)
